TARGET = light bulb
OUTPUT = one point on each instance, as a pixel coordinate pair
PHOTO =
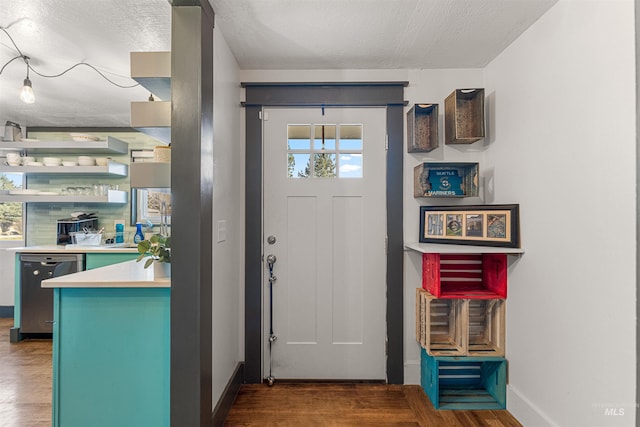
(27, 95)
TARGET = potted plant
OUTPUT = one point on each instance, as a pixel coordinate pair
(157, 248)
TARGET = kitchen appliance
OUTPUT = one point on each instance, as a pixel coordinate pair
(82, 222)
(36, 303)
(12, 131)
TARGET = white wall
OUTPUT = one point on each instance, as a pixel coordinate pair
(563, 145)
(227, 255)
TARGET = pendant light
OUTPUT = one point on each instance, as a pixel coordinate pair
(27, 95)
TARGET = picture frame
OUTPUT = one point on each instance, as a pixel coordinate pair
(145, 205)
(481, 225)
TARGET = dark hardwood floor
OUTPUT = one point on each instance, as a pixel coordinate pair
(25, 398)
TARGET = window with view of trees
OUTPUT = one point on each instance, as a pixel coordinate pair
(11, 218)
(324, 151)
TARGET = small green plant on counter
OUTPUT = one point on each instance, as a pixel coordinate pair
(156, 248)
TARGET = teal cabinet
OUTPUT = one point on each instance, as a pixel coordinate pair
(95, 260)
(111, 357)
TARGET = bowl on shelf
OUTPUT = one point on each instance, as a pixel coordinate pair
(102, 161)
(83, 137)
(52, 161)
(34, 164)
(86, 161)
(68, 163)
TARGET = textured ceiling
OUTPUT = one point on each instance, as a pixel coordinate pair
(262, 34)
(375, 34)
(56, 34)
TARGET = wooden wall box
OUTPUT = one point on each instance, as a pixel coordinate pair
(460, 327)
(441, 325)
(466, 383)
(439, 179)
(422, 128)
(464, 116)
(478, 276)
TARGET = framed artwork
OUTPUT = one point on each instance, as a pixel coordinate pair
(146, 203)
(482, 225)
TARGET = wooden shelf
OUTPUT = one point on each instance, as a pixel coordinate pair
(422, 128)
(114, 196)
(464, 116)
(438, 179)
(112, 169)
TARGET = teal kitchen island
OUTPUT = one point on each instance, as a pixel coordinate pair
(111, 347)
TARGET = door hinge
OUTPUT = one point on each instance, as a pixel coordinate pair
(386, 244)
(386, 142)
(264, 116)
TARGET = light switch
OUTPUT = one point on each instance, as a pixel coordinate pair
(222, 231)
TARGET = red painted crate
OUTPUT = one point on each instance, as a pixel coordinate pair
(479, 276)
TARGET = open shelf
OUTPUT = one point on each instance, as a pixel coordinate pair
(112, 169)
(114, 196)
(110, 145)
(422, 128)
(438, 179)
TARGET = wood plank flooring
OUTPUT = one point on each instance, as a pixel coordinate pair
(25, 398)
(327, 404)
(25, 381)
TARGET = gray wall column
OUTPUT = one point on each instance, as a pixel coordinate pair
(192, 193)
(637, 15)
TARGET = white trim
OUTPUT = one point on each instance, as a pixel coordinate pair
(526, 412)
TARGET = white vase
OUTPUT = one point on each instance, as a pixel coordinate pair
(161, 269)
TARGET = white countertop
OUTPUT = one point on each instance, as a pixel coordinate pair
(128, 274)
(71, 249)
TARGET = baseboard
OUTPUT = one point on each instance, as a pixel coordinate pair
(526, 412)
(6, 311)
(228, 396)
(412, 372)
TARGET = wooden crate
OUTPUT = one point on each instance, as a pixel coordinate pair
(460, 327)
(439, 179)
(480, 276)
(467, 383)
(440, 325)
(422, 128)
(486, 320)
(464, 116)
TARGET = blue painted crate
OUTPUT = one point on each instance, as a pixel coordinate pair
(466, 382)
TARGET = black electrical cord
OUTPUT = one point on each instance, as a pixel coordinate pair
(29, 67)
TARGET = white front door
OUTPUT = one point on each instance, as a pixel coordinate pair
(325, 221)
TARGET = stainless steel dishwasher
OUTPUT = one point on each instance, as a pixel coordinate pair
(36, 303)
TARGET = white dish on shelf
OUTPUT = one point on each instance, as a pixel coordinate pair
(47, 193)
(65, 163)
(86, 161)
(30, 140)
(34, 164)
(23, 192)
(83, 137)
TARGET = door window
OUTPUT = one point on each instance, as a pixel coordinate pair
(336, 151)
